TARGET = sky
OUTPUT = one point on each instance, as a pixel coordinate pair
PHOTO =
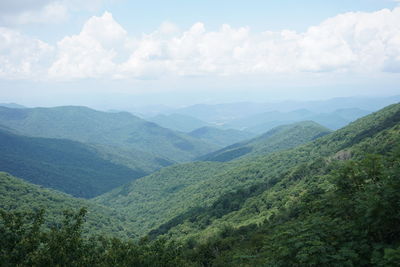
(117, 54)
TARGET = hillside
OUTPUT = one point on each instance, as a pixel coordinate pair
(161, 195)
(220, 137)
(279, 138)
(174, 190)
(65, 165)
(334, 209)
(113, 129)
(20, 196)
(243, 177)
(245, 205)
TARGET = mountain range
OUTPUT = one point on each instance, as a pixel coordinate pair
(298, 194)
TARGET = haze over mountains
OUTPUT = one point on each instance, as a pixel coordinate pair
(258, 118)
(229, 111)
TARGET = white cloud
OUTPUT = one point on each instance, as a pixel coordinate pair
(356, 42)
(22, 57)
(168, 28)
(91, 53)
(351, 42)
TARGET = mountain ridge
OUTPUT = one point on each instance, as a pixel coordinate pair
(279, 138)
(116, 129)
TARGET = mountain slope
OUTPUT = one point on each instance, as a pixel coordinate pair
(280, 179)
(173, 190)
(244, 176)
(220, 137)
(279, 138)
(115, 129)
(21, 196)
(65, 165)
(335, 209)
(161, 195)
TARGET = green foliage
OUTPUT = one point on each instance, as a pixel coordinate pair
(200, 185)
(299, 212)
(26, 243)
(327, 225)
(19, 196)
(291, 172)
(162, 195)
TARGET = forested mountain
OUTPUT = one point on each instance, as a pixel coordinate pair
(20, 196)
(220, 137)
(335, 208)
(279, 138)
(178, 122)
(244, 175)
(375, 134)
(11, 105)
(329, 202)
(162, 195)
(65, 165)
(95, 127)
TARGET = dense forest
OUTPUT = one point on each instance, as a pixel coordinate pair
(298, 195)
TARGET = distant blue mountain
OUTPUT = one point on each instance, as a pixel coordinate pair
(11, 105)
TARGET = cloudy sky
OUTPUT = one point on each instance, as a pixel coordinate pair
(117, 54)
